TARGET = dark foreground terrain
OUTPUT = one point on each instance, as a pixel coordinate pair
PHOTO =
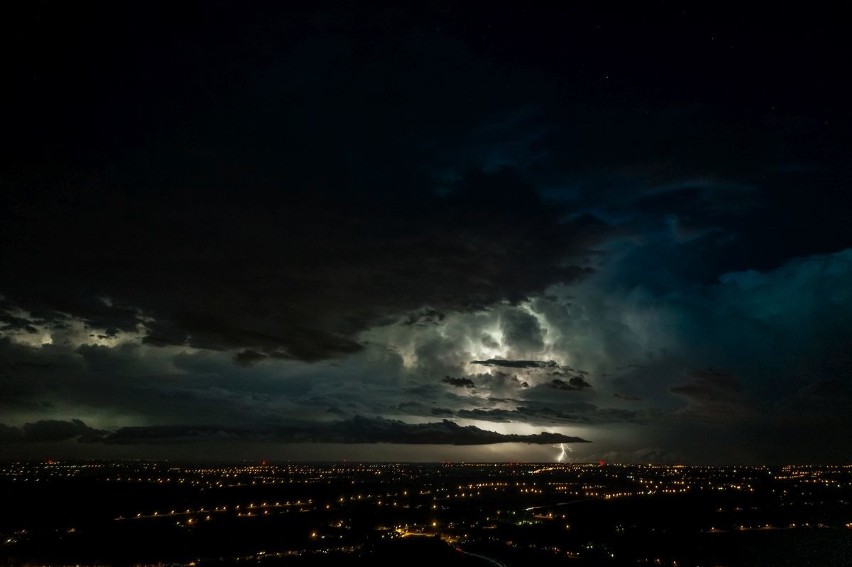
(128, 513)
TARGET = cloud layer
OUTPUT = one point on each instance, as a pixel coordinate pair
(367, 220)
(355, 430)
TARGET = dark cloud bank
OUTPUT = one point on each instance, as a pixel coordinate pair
(355, 430)
(305, 201)
(317, 172)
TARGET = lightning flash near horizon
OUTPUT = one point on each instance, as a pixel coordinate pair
(563, 455)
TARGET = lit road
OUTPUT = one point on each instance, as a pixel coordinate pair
(451, 542)
(555, 505)
(484, 558)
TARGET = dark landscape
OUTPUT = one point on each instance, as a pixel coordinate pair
(513, 514)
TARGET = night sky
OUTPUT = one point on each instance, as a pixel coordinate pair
(238, 230)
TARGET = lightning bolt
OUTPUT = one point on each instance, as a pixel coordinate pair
(563, 455)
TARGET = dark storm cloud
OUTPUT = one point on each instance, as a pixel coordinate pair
(50, 430)
(424, 317)
(263, 289)
(496, 415)
(573, 383)
(517, 363)
(355, 430)
(282, 217)
(56, 430)
(826, 392)
(11, 323)
(540, 413)
(248, 357)
(442, 412)
(626, 397)
(142, 384)
(459, 382)
(522, 332)
(568, 377)
(9, 434)
(502, 400)
(712, 395)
